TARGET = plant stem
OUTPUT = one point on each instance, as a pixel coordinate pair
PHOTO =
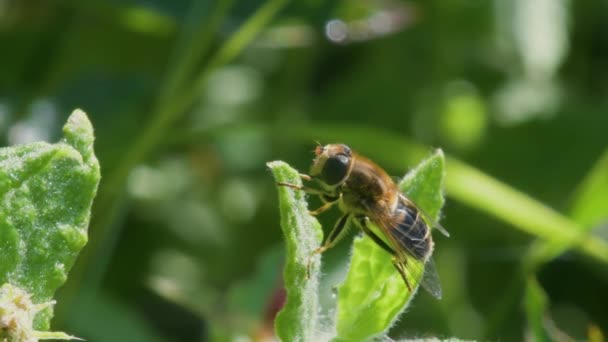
(478, 190)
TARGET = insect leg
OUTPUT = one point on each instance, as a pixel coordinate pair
(305, 177)
(323, 194)
(322, 208)
(399, 265)
(303, 188)
(336, 234)
(373, 236)
(306, 189)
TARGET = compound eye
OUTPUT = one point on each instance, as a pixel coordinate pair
(335, 169)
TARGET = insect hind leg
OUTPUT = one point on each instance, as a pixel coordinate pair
(400, 266)
(363, 220)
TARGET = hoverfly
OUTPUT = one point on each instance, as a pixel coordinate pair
(365, 192)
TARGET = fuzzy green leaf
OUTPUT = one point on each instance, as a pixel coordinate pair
(46, 192)
(298, 318)
(373, 293)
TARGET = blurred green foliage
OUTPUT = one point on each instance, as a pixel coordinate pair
(190, 99)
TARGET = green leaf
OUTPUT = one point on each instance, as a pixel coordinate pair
(298, 319)
(424, 184)
(46, 192)
(373, 293)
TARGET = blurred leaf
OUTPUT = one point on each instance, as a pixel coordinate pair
(47, 191)
(143, 19)
(200, 27)
(155, 131)
(252, 295)
(179, 279)
(463, 121)
(298, 319)
(535, 302)
(373, 294)
(173, 107)
(228, 51)
(594, 334)
(98, 316)
(590, 207)
(475, 188)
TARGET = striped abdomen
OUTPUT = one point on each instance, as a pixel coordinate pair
(411, 230)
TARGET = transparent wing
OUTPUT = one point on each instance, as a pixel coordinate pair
(430, 279)
(409, 237)
(421, 270)
(406, 257)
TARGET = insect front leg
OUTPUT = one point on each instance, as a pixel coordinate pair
(306, 189)
(329, 198)
(336, 234)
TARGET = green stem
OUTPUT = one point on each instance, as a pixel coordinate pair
(230, 50)
(588, 210)
(169, 111)
(193, 46)
(478, 190)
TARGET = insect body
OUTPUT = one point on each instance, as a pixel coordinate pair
(367, 194)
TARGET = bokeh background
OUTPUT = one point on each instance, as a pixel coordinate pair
(190, 99)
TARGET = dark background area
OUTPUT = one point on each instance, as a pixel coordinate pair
(185, 243)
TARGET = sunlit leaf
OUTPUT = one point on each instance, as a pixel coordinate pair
(46, 193)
